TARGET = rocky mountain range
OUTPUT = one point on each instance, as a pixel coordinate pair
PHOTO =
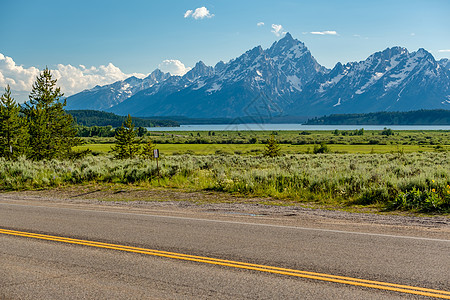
(107, 96)
(284, 79)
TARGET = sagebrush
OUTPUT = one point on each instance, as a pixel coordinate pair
(327, 178)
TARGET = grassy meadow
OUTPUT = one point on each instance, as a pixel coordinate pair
(406, 171)
(291, 142)
(257, 149)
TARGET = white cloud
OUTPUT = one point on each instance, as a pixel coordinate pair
(260, 24)
(17, 77)
(174, 67)
(277, 30)
(444, 51)
(74, 79)
(326, 32)
(412, 34)
(71, 79)
(198, 13)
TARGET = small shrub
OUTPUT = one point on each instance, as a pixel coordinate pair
(323, 148)
(222, 152)
(387, 131)
(272, 148)
(417, 200)
(378, 195)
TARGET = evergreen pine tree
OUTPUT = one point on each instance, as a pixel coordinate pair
(126, 145)
(272, 148)
(147, 150)
(12, 127)
(52, 133)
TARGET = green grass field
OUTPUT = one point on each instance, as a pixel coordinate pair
(434, 138)
(249, 149)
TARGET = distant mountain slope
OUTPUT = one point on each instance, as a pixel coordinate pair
(283, 80)
(445, 62)
(258, 82)
(418, 117)
(104, 97)
(391, 80)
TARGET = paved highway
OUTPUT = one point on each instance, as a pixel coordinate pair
(36, 267)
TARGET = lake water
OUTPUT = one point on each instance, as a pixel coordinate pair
(279, 127)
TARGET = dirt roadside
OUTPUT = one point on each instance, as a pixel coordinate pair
(220, 206)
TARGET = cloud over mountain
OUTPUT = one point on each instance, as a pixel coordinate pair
(277, 29)
(174, 67)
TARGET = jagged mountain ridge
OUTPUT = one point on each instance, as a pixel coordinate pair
(390, 80)
(259, 82)
(107, 96)
(285, 79)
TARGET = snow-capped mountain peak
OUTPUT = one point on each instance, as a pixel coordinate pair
(198, 71)
(285, 78)
(107, 96)
(287, 46)
(295, 61)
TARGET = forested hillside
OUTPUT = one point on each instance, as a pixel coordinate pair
(100, 118)
(418, 117)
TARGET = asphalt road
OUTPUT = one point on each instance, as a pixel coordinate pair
(33, 268)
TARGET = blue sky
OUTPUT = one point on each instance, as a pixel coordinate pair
(114, 39)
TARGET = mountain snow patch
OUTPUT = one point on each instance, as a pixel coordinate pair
(200, 84)
(214, 88)
(338, 103)
(369, 83)
(125, 87)
(331, 82)
(298, 50)
(295, 82)
(394, 62)
(446, 101)
(400, 76)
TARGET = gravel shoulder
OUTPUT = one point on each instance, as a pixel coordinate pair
(220, 206)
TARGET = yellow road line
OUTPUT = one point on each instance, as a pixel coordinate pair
(242, 265)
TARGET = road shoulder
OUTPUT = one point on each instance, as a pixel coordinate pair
(227, 208)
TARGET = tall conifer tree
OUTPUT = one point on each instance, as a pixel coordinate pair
(126, 145)
(51, 129)
(12, 127)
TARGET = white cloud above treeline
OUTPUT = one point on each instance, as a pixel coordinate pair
(260, 24)
(174, 67)
(198, 13)
(70, 78)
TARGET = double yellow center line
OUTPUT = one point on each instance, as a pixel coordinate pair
(241, 265)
